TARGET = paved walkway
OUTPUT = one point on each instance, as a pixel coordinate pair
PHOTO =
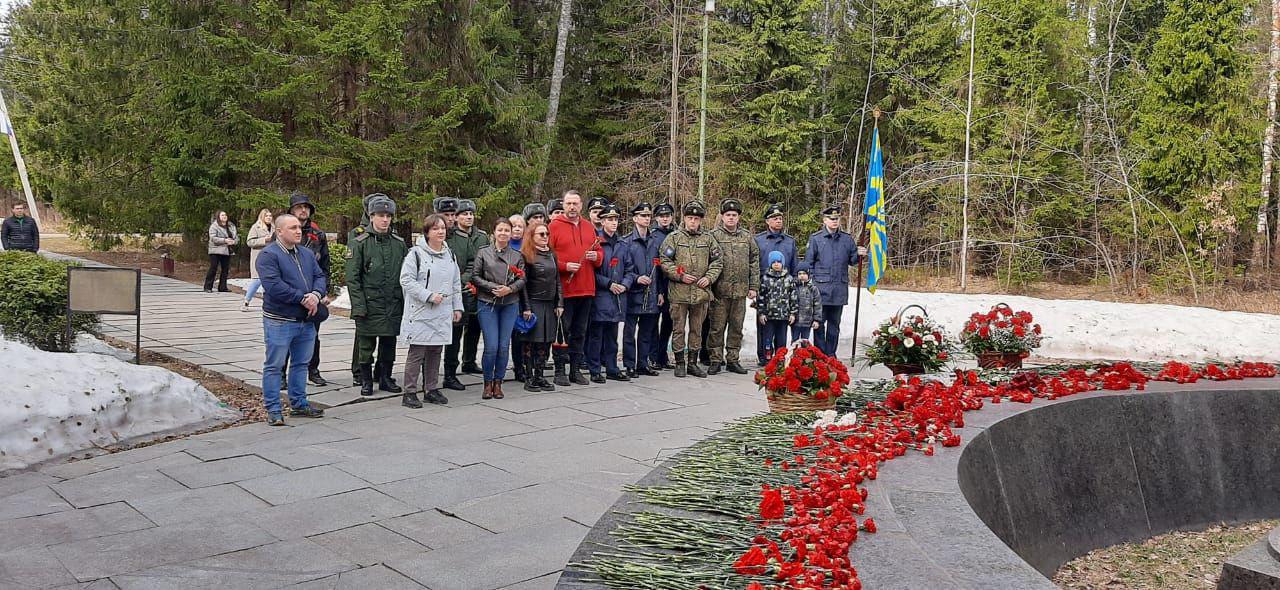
(471, 496)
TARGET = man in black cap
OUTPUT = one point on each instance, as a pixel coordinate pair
(594, 207)
(377, 300)
(692, 261)
(830, 253)
(664, 218)
(646, 294)
(314, 239)
(773, 239)
(465, 240)
(739, 282)
(555, 210)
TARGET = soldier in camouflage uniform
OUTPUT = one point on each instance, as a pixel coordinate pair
(465, 241)
(691, 259)
(739, 281)
(377, 301)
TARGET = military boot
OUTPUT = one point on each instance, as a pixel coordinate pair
(695, 369)
(366, 380)
(680, 366)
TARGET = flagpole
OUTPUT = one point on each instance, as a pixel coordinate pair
(21, 164)
(862, 260)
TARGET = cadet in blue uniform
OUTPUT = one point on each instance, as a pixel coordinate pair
(645, 298)
(830, 254)
(612, 282)
(772, 239)
(664, 224)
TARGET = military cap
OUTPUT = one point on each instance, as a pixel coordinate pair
(831, 210)
(664, 209)
(533, 210)
(610, 210)
(728, 205)
(555, 205)
(696, 209)
(597, 203)
(465, 205)
(642, 207)
(445, 205)
(774, 210)
(379, 203)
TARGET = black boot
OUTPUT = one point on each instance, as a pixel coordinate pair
(576, 377)
(356, 379)
(694, 368)
(680, 366)
(366, 380)
(435, 397)
(562, 379)
(315, 378)
(385, 382)
(411, 400)
(713, 369)
(736, 368)
(451, 382)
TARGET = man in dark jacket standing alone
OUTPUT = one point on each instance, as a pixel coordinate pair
(20, 232)
(377, 301)
(292, 288)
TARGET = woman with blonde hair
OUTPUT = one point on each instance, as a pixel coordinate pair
(259, 236)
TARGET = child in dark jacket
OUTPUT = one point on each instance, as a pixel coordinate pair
(776, 308)
(808, 305)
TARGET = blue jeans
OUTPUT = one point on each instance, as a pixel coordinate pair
(496, 323)
(827, 336)
(637, 348)
(602, 348)
(773, 336)
(252, 290)
(286, 340)
(799, 332)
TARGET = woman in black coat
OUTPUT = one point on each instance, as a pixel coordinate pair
(543, 298)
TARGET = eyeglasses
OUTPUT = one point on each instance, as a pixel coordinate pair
(541, 233)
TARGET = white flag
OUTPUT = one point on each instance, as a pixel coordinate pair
(5, 126)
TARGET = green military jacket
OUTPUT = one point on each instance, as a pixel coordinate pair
(373, 282)
(741, 255)
(699, 255)
(465, 245)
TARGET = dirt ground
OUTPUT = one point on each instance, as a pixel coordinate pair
(1174, 561)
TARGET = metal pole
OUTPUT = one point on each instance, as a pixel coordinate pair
(22, 164)
(137, 331)
(702, 119)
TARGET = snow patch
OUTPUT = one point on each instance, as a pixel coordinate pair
(1081, 329)
(54, 404)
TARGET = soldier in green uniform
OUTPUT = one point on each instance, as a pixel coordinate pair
(465, 240)
(739, 282)
(377, 302)
(352, 234)
(691, 259)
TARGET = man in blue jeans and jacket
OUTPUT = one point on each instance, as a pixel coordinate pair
(293, 286)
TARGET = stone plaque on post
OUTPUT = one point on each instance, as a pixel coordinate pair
(110, 290)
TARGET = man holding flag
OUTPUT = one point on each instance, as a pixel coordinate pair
(830, 253)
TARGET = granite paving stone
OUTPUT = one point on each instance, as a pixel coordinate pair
(199, 504)
(368, 544)
(454, 486)
(395, 467)
(330, 513)
(102, 557)
(555, 438)
(527, 506)
(292, 486)
(212, 473)
(114, 485)
(553, 417)
(625, 406)
(33, 502)
(32, 567)
(272, 565)
(380, 577)
(435, 530)
(71, 525)
(23, 481)
(547, 582)
(527, 553)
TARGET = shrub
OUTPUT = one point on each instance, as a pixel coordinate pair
(33, 302)
(337, 267)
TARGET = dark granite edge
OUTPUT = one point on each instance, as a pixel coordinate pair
(1273, 543)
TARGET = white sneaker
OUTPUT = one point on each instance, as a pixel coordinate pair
(245, 307)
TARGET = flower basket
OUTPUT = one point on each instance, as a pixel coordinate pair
(906, 369)
(910, 345)
(1000, 360)
(802, 379)
(1001, 337)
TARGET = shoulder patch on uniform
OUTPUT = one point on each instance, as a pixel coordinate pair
(347, 254)
(359, 229)
(670, 252)
(715, 253)
(360, 238)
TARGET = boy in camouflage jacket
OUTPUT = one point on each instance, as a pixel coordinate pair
(776, 308)
(808, 305)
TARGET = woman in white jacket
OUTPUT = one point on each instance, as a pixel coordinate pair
(432, 305)
(259, 236)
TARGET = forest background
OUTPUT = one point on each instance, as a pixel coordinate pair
(1125, 143)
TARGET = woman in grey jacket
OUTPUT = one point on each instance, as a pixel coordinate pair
(498, 280)
(432, 305)
(259, 236)
(222, 235)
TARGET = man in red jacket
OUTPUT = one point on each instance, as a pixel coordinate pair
(578, 253)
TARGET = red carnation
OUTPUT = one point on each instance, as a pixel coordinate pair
(613, 262)
(680, 270)
(771, 506)
(752, 563)
(869, 525)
